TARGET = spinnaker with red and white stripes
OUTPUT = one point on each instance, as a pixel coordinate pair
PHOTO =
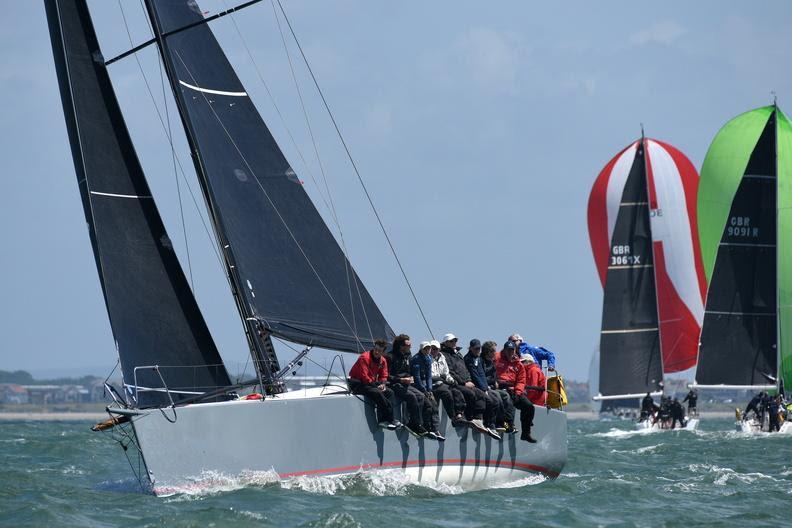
(643, 230)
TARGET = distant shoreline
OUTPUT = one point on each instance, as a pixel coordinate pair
(99, 416)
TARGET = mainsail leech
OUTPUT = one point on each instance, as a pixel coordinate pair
(154, 317)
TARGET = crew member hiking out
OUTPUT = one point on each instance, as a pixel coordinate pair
(475, 366)
(753, 405)
(444, 387)
(505, 417)
(421, 370)
(692, 399)
(474, 398)
(400, 381)
(539, 353)
(367, 377)
(511, 376)
(773, 407)
(535, 381)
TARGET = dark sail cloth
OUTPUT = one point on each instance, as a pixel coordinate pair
(475, 404)
(506, 408)
(365, 378)
(492, 402)
(399, 367)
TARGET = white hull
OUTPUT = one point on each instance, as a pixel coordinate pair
(307, 433)
(752, 426)
(646, 425)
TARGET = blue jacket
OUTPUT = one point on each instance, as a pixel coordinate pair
(475, 366)
(421, 370)
(538, 353)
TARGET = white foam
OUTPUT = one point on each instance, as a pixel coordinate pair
(621, 433)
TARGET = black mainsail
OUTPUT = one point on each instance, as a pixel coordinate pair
(154, 317)
(739, 336)
(630, 360)
(287, 271)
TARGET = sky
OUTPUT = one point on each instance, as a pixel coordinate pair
(478, 131)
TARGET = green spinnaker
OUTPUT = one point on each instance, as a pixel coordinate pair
(721, 174)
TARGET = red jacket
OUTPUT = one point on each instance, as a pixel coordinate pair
(369, 371)
(510, 373)
(535, 377)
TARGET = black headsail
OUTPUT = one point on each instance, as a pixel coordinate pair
(739, 337)
(153, 314)
(630, 361)
(288, 272)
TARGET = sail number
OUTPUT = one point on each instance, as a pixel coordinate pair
(740, 226)
(620, 256)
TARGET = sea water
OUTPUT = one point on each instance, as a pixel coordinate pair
(61, 474)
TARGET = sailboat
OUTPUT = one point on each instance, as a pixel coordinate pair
(744, 209)
(179, 411)
(642, 226)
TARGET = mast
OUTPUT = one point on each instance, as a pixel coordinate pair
(779, 377)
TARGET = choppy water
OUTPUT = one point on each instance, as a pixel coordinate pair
(61, 474)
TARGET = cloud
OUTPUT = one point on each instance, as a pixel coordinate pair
(494, 58)
(664, 32)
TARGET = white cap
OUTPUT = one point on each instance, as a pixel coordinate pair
(448, 337)
(528, 358)
(424, 344)
(434, 343)
(517, 336)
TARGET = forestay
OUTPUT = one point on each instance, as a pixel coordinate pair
(288, 268)
(154, 317)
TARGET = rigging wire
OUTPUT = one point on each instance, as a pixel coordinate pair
(324, 177)
(355, 168)
(328, 201)
(170, 139)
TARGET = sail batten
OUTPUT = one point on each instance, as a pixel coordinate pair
(154, 317)
(287, 269)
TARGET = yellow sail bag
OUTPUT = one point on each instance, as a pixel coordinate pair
(556, 393)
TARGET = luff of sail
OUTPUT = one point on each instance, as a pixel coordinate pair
(154, 317)
(744, 210)
(671, 182)
(291, 272)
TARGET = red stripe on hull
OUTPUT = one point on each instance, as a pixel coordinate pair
(423, 463)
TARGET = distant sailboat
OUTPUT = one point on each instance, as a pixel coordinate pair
(745, 208)
(288, 275)
(642, 226)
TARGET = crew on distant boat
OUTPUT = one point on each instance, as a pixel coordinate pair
(475, 404)
(692, 399)
(535, 381)
(444, 387)
(677, 414)
(511, 376)
(368, 377)
(505, 416)
(421, 370)
(648, 407)
(539, 353)
(475, 366)
(400, 381)
(773, 406)
(664, 414)
(755, 406)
